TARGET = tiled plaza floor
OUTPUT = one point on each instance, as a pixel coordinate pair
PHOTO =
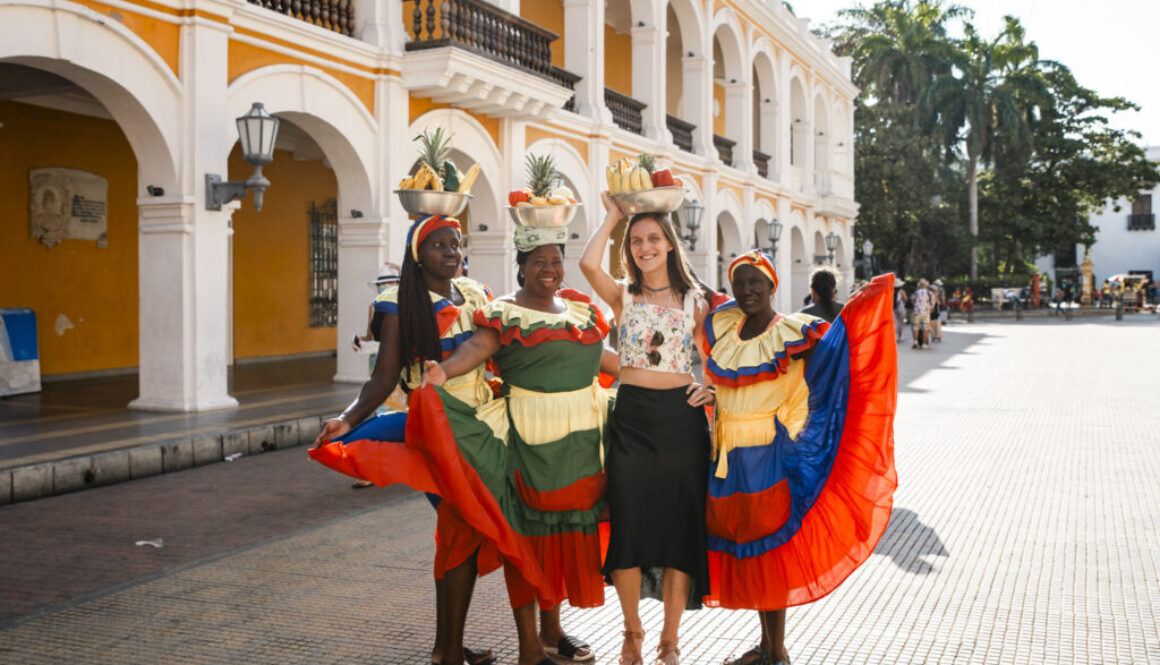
(1026, 529)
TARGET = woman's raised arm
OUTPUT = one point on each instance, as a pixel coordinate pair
(592, 260)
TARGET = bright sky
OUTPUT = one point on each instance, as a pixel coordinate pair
(1111, 46)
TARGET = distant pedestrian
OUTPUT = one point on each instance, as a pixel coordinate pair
(920, 316)
(938, 309)
(899, 308)
(824, 292)
(1057, 301)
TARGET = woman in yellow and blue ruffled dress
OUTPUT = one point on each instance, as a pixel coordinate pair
(801, 486)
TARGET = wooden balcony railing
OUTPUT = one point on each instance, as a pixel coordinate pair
(336, 15)
(724, 149)
(486, 30)
(1144, 222)
(761, 160)
(682, 132)
(568, 80)
(626, 111)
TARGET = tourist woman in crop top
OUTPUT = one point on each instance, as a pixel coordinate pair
(658, 456)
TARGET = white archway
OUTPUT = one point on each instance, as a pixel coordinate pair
(821, 144)
(730, 72)
(729, 220)
(327, 110)
(113, 64)
(765, 104)
(799, 130)
(574, 173)
(800, 261)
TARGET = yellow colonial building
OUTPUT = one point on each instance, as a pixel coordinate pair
(113, 113)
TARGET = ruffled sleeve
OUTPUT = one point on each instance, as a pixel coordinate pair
(580, 322)
(735, 362)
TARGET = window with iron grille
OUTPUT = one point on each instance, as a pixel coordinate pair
(324, 264)
(1141, 217)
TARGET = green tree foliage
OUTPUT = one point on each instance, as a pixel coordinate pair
(969, 141)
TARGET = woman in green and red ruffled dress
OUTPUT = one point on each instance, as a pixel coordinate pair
(539, 449)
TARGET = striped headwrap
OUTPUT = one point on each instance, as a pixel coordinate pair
(758, 259)
(423, 227)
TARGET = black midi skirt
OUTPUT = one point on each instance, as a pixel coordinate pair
(658, 474)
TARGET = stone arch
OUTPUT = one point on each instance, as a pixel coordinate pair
(328, 111)
(730, 75)
(574, 174)
(765, 102)
(822, 133)
(799, 123)
(113, 64)
(763, 214)
(729, 222)
(800, 261)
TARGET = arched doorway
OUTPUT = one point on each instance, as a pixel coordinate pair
(801, 263)
(765, 108)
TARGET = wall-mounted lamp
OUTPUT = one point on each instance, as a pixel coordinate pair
(257, 131)
(773, 232)
(831, 245)
(692, 211)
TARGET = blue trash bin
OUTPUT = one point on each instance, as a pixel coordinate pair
(19, 360)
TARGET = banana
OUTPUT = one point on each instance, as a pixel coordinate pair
(610, 176)
(468, 180)
(642, 179)
(407, 183)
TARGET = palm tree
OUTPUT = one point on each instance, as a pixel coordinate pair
(986, 94)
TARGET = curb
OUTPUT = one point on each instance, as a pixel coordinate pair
(73, 474)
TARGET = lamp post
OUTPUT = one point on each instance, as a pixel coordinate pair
(831, 245)
(868, 258)
(692, 211)
(773, 232)
(257, 131)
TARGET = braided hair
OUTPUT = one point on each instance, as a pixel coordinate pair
(418, 329)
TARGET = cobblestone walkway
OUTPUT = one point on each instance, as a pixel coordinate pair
(1026, 529)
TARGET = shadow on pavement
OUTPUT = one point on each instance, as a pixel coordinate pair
(907, 541)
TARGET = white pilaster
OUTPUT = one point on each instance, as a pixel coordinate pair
(382, 23)
(361, 242)
(739, 123)
(698, 103)
(648, 80)
(584, 55)
(767, 141)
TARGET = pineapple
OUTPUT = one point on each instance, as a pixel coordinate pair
(434, 146)
(542, 175)
(647, 162)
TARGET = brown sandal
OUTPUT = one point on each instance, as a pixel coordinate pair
(637, 635)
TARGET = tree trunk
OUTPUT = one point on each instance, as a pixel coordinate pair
(973, 197)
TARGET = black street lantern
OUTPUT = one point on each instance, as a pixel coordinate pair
(831, 245)
(773, 232)
(692, 212)
(257, 132)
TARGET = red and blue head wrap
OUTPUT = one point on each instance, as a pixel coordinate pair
(425, 226)
(758, 259)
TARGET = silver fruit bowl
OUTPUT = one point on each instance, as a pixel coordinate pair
(654, 199)
(433, 202)
(544, 216)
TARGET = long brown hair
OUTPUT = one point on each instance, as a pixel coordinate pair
(680, 274)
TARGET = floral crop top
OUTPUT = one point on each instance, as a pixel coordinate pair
(657, 337)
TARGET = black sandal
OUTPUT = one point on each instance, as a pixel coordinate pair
(470, 657)
(568, 647)
(762, 658)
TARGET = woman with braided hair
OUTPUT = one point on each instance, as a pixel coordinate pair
(424, 317)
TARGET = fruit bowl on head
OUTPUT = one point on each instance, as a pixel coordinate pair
(546, 216)
(653, 199)
(433, 202)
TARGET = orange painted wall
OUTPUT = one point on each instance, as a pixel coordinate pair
(548, 14)
(162, 36)
(618, 61)
(420, 105)
(272, 259)
(245, 58)
(95, 288)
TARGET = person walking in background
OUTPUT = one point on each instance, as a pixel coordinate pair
(920, 316)
(899, 308)
(939, 313)
(824, 291)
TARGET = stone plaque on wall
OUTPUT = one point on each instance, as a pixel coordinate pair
(67, 203)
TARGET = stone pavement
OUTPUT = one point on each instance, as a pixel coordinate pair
(1026, 529)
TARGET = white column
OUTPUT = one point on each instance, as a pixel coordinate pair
(360, 255)
(808, 138)
(767, 141)
(783, 262)
(382, 23)
(783, 125)
(183, 249)
(648, 80)
(704, 259)
(698, 103)
(584, 55)
(493, 252)
(739, 123)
